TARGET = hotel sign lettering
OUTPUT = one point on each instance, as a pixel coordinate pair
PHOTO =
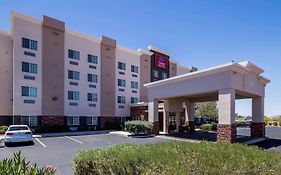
(161, 61)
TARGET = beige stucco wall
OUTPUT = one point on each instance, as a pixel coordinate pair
(6, 82)
(145, 75)
(173, 69)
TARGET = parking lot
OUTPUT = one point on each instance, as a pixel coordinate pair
(59, 151)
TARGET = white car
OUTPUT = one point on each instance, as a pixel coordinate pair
(17, 134)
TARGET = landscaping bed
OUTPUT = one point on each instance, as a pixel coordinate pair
(178, 158)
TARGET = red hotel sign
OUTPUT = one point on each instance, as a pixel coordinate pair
(161, 61)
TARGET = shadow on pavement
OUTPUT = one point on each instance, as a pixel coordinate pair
(269, 143)
(21, 144)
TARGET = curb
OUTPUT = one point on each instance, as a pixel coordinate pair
(2, 143)
(178, 139)
(254, 141)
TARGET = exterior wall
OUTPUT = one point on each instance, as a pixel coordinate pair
(33, 30)
(53, 67)
(130, 58)
(173, 69)
(84, 46)
(6, 68)
(145, 75)
(108, 61)
(182, 70)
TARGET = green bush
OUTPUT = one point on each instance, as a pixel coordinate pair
(178, 158)
(138, 127)
(209, 127)
(51, 129)
(3, 129)
(275, 123)
(17, 165)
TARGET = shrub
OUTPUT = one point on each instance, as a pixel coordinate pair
(209, 127)
(51, 128)
(17, 165)
(275, 123)
(138, 127)
(3, 129)
(178, 158)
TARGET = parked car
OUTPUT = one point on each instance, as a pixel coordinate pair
(17, 134)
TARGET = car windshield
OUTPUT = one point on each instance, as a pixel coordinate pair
(17, 128)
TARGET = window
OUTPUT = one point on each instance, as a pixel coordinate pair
(155, 74)
(29, 44)
(73, 54)
(73, 95)
(74, 75)
(73, 120)
(29, 67)
(92, 97)
(134, 100)
(134, 69)
(91, 120)
(93, 59)
(92, 78)
(134, 85)
(29, 120)
(121, 99)
(164, 75)
(121, 83)
(29, 91)
(121, 66)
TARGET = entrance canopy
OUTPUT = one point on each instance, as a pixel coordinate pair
(223, 83)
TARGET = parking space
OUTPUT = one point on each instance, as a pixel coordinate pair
(59, 151)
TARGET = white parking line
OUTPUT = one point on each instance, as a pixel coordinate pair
(40, 142)
(73, 139)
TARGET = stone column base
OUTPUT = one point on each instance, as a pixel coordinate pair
(155, 128)
(191, 125)
(257, 129)
(226, 132)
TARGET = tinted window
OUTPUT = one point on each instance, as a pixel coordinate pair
(17, 128)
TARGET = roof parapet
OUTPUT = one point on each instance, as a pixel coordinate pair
(254, 68)
(158, 50)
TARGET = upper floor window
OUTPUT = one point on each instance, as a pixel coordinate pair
(121, 83)
(74, 75)
(73, 95)
(93, 59)
(29, 44)
(92, 78)
(121, 66)
(73, 54)
(134, 69)
(92, 97)
(121, 99)
(134, 100)
(134, 85)
(28, 91)
(155, 74)
(29, 67)
(164, 75)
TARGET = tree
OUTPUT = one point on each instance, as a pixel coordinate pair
(207, 109)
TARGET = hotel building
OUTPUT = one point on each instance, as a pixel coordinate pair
(51, 75)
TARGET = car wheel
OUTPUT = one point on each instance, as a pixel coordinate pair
(31, 143)
(7, 144)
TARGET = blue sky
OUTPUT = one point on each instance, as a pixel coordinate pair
(200, 33)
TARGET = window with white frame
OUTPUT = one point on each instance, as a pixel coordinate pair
(92, 120)
(121, 66)
(74, 75)
(134, 85)
(92, 97)
(29, 67)
(29, 120)
(121, 99)
(92, 78)
(93, 59)
(134, 100)
(73, 120)
(134, 69)
(73, 95)
(29, 44)
(73, 54)
(28, 91)
(121, 83)
(155, 74)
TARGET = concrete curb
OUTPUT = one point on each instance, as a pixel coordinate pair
(72, 133)
(177, 139)
(254, 141)
(2, 143)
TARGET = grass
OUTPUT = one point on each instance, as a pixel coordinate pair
(178, 158)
